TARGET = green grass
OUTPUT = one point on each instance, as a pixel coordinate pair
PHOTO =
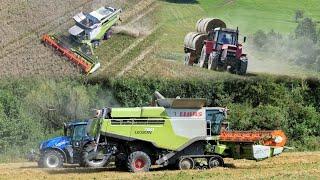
(248, 15)
(252, 15)
(177, 19)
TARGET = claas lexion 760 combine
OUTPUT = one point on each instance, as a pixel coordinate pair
(84, 36)
(176, 132)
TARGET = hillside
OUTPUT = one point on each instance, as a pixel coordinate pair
(179, 17)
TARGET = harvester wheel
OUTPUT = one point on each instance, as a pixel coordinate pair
(186, 163)
(215, 161)
(139, 161)
(243, 65)
(98, 162)
(203, 62)
(51, 159)
(187, 58)
(108, 34)
(213, 61)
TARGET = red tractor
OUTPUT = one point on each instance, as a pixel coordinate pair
(215, 47)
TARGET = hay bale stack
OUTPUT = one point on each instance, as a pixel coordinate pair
(205, 25)
(194, 41)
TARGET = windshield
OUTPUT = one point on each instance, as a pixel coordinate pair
(227, 38)
(79, 132)
(89, 20)
(215, 117)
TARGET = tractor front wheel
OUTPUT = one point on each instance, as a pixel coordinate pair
(243, 65)
(213, 61)
(51, 159)
(139, 161)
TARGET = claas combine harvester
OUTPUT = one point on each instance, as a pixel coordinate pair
(84, 36)
(176, 132)
(215, 47)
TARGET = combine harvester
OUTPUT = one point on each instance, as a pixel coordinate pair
(89, 30)
(180, 133)
(215, 47)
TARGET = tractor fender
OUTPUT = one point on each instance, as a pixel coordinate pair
(65, 156)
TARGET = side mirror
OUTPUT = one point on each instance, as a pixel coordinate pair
(244, 39)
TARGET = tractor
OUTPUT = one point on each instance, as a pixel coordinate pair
(215, 47)
(53, 153)
(178, 133)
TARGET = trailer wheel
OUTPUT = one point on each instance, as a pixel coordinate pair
(51, 159)
(215, 161)
(203, 62)
(187, 58)
(186, 163)
(139, 161)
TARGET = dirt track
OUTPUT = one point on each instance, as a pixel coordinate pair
(298, 165)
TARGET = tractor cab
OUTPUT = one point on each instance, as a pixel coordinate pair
(76, 132)
(222, 36)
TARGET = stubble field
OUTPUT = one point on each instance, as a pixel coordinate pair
(296, 165)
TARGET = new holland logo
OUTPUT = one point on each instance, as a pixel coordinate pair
(146, 131)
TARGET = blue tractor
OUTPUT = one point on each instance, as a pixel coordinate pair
(67, 149)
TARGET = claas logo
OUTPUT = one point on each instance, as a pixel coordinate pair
(190, 114)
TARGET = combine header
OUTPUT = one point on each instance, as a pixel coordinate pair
(86, 35)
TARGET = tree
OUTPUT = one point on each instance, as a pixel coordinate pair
(307, 28)
(298, 15)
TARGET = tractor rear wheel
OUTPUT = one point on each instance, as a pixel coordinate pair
(139, 161)
(203, 61)
(121, 162)
(186, 163)
(101, 161)
(215, 161)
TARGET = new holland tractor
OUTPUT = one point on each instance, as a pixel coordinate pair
(176, 132)
(215, 47)
(54, 152)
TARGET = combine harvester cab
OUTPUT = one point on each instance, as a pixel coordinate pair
(89, 30)
(177, 132)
